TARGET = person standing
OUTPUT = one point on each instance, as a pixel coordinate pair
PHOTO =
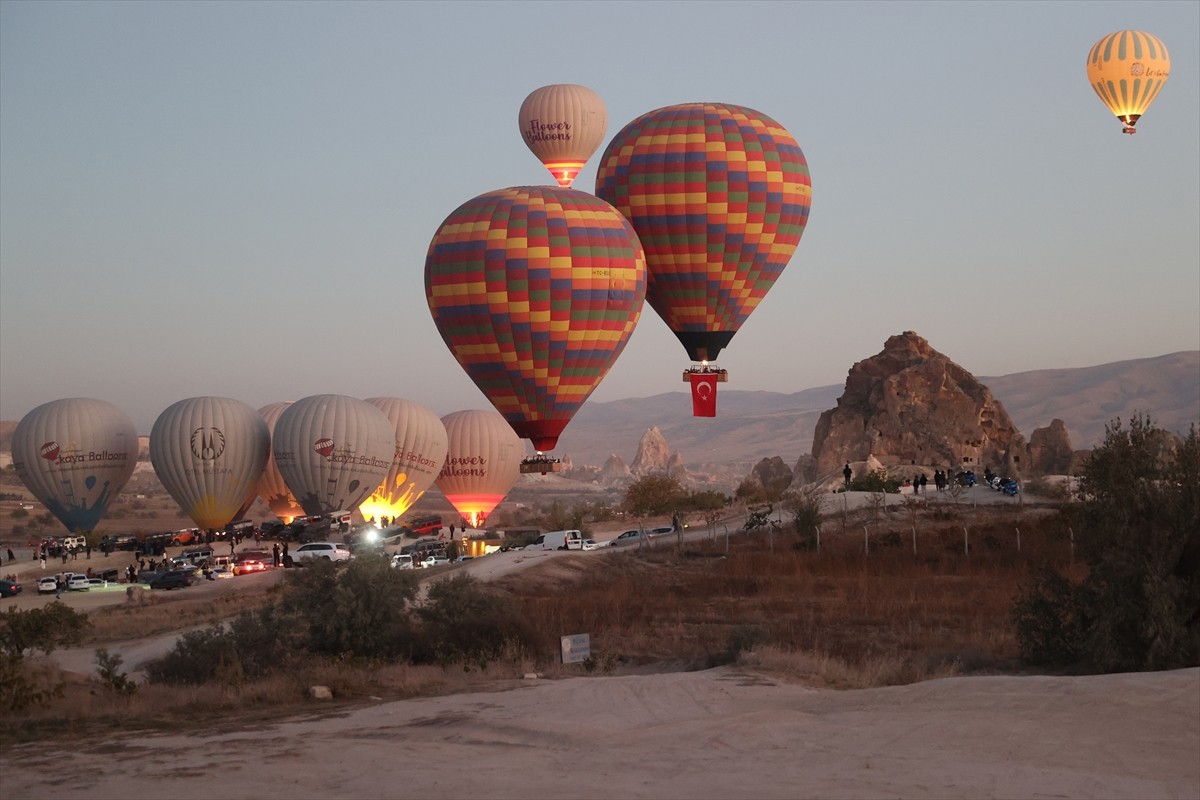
(924, 483)
(275, 554)
(847, 473)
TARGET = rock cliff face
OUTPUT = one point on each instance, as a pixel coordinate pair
(1050, 450)
(614, 470)
(910, 405)
(653, 455)
(770, 475)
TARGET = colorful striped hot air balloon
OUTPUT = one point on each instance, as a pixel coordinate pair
(1128, 69)
(563, 125)
(719, 195)
(535, 290)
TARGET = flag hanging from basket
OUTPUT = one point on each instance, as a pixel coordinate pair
(704, 394)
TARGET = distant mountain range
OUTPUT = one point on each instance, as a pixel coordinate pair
(753, 425)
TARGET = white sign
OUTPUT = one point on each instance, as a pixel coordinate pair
(576, 648)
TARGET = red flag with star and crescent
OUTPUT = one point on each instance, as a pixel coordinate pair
(704, 394)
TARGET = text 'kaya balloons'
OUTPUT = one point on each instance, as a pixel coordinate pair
(1128, 69)
(209, 453)
(333, 451)
(75, 455)
(421, 444)
(563, 125)
(482, 463)
(535, 290)
(272, 488)
(719, 196)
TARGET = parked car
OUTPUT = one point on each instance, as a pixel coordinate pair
(462, 559)
(249, 561)
(47, 585)
(661, 530)
(434, 561)
(592, 544)
(173, 579)
(628, 537)
(402, 561)
(9, 588)
(97, 583)
(78, 583)
(329, 551)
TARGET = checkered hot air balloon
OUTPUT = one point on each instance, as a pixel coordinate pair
(1128, 69)
(535, 290)
(719, 196)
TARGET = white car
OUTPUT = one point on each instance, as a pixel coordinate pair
(592, 544)
(329, 551)
(434, 561)
(402, 561)
(78, 583)
(47, 585)
(97, 583)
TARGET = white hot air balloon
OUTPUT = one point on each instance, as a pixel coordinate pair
(482, 463)
(75, 455)
(563, 124)
(421, 444)
(271, 486)
(333, 451)
(209, 453)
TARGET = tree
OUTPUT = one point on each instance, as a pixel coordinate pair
(654, 495)
(1139, 606)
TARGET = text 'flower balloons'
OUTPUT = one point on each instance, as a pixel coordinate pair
(75, 455)
(719, 196)
(1128, 69)
(483, 462)
(421, 444)
(563, 125)
(333, 451)
(209, 453)
(535, 290)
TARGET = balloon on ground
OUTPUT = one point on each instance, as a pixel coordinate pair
(535, 290)
(75, 455)
(1127, 70)
(333, 451)
(209, 453)
(719, 196)
(272, 488)
(563, 124)
(421, 444)
(482, 463)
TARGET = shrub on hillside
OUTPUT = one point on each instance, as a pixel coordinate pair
(464, 623)
(877, 481)
(1139, 606)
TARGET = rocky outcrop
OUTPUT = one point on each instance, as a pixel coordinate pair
(615, 470)
(910, 405)
(1050, 451)
(770, 476)
(653, 455)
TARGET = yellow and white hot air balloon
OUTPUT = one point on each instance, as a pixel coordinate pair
(1128, 69)
(421, 446)
(563, 124)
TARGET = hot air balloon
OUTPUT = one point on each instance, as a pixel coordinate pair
(333, 451)
(563, 125)
(75, 455)
(271, 486)
(421, 444)
(1128, 69)
(209, 453)
(482, 463)
(719, 195)
(535, 290)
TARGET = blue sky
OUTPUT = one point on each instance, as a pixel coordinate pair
(236, 198)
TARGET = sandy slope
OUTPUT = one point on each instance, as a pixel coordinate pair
(720, 733)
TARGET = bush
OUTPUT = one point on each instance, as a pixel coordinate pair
(877, 481)
(21, 632)
(466, 624)
(1139, 606)
(251, 646)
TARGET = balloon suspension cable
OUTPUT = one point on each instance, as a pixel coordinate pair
(706, 368)
(541, 464)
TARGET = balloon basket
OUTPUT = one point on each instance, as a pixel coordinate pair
(721, 376)
(540, 465)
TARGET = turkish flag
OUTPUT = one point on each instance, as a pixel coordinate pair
(704, 394)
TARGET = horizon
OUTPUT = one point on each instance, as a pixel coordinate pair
(254, 224)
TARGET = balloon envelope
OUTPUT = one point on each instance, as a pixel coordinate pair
(332, 451)
(209, 453)
(271, 486)
(535, 290)
(719, 195)
(1128, 69)
(75, 455)
(482, 463)
(563, 124)
(421, 444)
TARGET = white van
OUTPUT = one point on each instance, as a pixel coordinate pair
(558, 540)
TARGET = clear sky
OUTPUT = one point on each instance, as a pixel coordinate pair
(236, 198)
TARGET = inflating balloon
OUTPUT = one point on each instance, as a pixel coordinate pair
(421, 444)
(483, 462)
(1128, 69)
(75, 455)
(209, 453)
(272, 488)
(535, 290)
(563, 125)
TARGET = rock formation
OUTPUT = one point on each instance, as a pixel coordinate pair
(653, 455)
(910, 405)
(1050, 451)
(770, 476)
(614, 470)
